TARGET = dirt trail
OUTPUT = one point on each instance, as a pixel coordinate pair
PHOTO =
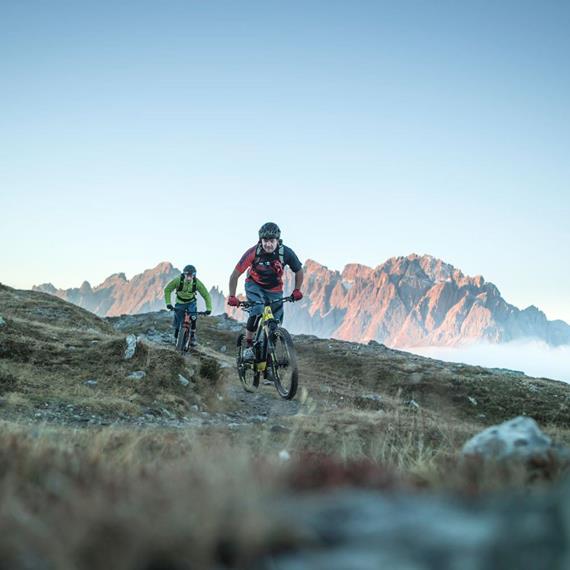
(257, 407)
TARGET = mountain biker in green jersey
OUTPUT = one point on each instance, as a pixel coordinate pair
(186, 286)
(265, 263)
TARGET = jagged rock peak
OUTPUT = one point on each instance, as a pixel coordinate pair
(162, 267)
(45, 288)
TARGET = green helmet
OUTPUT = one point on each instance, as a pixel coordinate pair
(189, 270)
(269, 230)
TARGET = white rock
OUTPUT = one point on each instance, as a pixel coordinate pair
(284, 455)
(473, 401)
(520, 437)
(183, 380)
(131, 341)
(138, 375)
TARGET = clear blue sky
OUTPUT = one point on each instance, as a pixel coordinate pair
(135, 132)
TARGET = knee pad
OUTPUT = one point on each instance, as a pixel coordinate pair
(251, 324)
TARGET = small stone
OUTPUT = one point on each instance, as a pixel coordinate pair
(195, 408)
(472, 401)
(183, 380)
(223, 348)
(2, 322)
(90, 382)
(284, 455)
(138, 375)
(414, 404)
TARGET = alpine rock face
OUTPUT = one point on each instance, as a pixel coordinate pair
(117, 295)
(412, 301)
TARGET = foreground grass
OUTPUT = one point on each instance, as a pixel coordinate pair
(149, 499)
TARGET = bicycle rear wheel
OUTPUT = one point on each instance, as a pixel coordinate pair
(283, 363)
(248, 376)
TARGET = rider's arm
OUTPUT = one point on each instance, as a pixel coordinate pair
(205, 294)
(233, 282)
(246, 260)
(299, 279)
(169, 288)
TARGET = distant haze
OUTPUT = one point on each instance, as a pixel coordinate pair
(534, 358)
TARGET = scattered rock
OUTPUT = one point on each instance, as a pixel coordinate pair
(472, 401)
(415, 378)
(131, 341)
(280, 429)
(284, 455)
(519, 438)
(183, 380)
(373, 397)
(414, 404)
(2, 321)
(223, 348)
(90, 383)
(138, 375)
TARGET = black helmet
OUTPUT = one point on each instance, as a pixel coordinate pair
(190, 270)
(269, 230)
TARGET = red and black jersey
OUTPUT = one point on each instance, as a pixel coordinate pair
(266, 269)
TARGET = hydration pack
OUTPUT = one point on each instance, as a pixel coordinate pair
(280, 250)
(181, 284)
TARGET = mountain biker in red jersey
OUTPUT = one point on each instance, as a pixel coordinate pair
(265, 262)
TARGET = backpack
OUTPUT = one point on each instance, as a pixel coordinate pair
(181, 285)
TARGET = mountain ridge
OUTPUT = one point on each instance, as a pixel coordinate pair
(407, 301)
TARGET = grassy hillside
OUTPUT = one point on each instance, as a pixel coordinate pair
(162, 473)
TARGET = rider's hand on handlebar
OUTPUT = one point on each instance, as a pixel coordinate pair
(233, 301)
(297, 295)
(169, 307)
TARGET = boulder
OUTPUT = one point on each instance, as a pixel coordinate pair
(517, 438)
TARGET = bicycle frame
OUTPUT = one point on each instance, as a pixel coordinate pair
(262, 338)
(186, 322)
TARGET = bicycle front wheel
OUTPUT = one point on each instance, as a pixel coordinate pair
(248, 376)
(283, 363)
(182, 339)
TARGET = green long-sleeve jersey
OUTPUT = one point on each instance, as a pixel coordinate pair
(186, 294)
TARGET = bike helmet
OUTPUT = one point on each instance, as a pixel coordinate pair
(269, 230)
(189, 270)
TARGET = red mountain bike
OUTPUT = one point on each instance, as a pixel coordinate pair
(183, 338)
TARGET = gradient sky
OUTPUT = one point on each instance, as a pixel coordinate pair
(135, 132)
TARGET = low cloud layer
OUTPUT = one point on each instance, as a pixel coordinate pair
(534, 358)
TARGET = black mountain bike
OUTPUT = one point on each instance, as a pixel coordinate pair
(275, 356)
(183, 338)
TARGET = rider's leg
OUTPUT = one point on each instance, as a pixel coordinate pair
(178, 315)
(193, 323)
(250, 327)
(254, 294)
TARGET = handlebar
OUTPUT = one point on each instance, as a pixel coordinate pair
(198, 313)
(248, 304)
